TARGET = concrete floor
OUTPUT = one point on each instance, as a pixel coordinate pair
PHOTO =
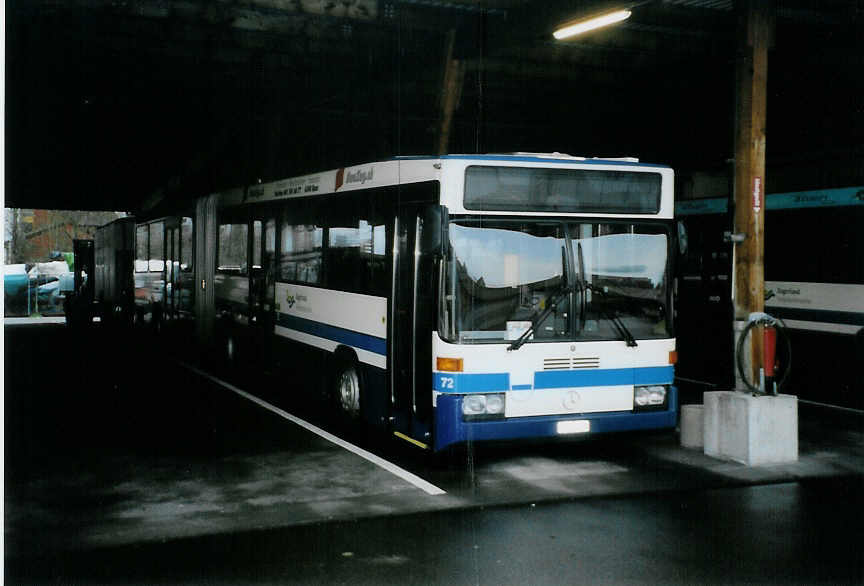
(130, 468)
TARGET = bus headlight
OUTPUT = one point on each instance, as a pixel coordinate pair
(495, 404)
(649, 397)
(483, 406)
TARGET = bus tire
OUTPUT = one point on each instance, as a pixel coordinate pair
(156, 318)
(138, 317)
(231, 350)
(347, 389)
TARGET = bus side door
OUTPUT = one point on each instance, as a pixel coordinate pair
(262, 276)
(412, 324)
(172, 268)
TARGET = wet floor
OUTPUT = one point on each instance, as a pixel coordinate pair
(808, 532)
(131, 468)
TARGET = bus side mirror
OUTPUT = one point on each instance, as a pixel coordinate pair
(682, 238)
(433, 234)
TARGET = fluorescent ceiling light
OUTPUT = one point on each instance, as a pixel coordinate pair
(581, 26)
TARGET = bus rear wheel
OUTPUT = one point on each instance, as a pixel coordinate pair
(346, 390)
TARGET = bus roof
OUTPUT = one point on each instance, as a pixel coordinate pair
(394, 171)
(554, 157)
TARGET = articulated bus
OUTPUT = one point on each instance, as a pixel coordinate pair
(814, 271)
(443, 300)
(458, 298)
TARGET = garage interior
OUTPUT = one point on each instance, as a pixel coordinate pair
(133, 105)
(143, 106)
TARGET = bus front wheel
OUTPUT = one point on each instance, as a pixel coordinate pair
(347, 390)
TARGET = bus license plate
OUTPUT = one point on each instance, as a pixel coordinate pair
(567, 427)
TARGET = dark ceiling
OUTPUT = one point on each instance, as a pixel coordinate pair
(130, 104)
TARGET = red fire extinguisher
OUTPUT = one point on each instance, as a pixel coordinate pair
(773, 374)
(769, 337)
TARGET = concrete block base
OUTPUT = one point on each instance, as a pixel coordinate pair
(751, 430)
(692, 426)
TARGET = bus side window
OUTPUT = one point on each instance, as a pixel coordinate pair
(256, 244)
(300, 252)
(378, 275)
(356, 258)
(349, 250)
(157, 247)
(142, 247)
(186, 240)
(233, 245)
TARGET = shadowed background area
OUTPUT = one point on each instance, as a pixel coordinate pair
(133, 105)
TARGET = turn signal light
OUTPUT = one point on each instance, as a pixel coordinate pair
(673, 357)
(449, 364)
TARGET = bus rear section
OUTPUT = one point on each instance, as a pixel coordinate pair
(114, 252)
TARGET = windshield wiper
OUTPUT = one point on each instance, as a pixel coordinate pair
(615, 319)
(560, 294)
(623, 330)
(582, 286)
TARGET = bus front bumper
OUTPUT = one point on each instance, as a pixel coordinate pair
(451, 428)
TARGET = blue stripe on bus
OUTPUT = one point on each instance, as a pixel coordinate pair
(603, 378)
(454, 382)
(817, 315)
(458, 382)
(334, 333)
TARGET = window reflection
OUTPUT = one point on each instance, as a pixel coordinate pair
(157, 247)
(503, 275)
(233, 243)
(300, 258)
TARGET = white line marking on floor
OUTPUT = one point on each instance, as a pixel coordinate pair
(34, 321)
(423, 485)
(837, 407)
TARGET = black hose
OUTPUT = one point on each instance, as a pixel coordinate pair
(781, 333)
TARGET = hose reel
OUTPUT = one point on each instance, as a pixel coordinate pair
(774, 332)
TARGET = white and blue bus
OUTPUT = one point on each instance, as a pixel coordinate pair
(459, 298)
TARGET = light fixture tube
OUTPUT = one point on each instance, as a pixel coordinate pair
(582, 26)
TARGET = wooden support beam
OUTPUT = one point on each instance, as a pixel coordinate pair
(451, 91)
(756, 30)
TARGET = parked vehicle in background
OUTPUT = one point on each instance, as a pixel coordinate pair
(15, 290)
(23, 291)
(50, 296)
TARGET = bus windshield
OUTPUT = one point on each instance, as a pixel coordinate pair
(557, 281)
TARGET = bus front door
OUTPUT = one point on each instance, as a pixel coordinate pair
(206, 243)
(411, 323)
